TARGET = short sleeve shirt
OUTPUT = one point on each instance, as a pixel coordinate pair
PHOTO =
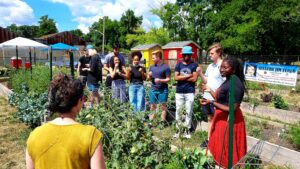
(214, 79)
(183, 69)
(110, 55)
(63, 146)
(159, 71)
(83, 61)
(93, 76)
(223, 92)
(136, 75)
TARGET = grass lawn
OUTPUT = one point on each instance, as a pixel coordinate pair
(12, 138)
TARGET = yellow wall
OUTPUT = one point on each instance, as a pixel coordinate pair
(147, 55)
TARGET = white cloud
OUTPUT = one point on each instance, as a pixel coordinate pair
(85, 12)
(15, 12)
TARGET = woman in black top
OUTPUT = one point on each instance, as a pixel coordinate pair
(136, 74)
(218, 142)
(118, 75)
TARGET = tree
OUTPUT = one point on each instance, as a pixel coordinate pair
(46, 26)
(13, 28)
(155, 35)
(112, 32)
(129, 22)
(77, 32)
(243, 27)
(173, 19)
(24, 30)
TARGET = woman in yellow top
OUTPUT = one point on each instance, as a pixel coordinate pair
(64, 143)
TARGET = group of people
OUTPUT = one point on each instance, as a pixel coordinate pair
(66, 97)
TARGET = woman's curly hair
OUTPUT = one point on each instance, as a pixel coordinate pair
(64, 93)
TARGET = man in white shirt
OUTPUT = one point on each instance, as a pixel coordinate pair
(212, 79)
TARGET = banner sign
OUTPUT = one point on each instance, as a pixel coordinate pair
(271, 73)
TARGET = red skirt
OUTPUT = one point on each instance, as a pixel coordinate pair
(218, 140)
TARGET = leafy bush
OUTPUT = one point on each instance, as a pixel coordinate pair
(127, 143)
(31, 107)
(294, 132)
(279, 103)
(38, 82)
(190, 159)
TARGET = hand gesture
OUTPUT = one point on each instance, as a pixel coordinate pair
(116, 65)
(157, 80)
(150, 74)
(205, 88)
(199, 70)
(141, 69)
(204, 102)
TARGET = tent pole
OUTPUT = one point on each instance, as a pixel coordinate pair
(34, 56)
(71, 63)
(51, 63)
(30, 62)
(3, 56)
(17, 55)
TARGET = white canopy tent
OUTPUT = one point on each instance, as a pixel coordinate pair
(21, 42)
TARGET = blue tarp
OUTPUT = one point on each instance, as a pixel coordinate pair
(62, 46)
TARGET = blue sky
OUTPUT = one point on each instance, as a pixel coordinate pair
(76, 14)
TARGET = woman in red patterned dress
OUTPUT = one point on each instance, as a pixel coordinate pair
(218, 142)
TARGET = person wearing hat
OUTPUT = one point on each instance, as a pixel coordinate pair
(212, 79)
(186, 77)
(107, 62)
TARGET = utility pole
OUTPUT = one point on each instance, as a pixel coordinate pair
(103, 35)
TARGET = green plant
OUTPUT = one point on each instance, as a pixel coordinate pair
(197, 109)
(127, 142)
(254, 128)
(191, 159)
(31, 107)
(37, 82)
(252, 161)
(294, 133)
(279, 103)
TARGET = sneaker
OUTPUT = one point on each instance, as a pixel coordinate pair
(187, 135)
(204, 144)
(176, 135)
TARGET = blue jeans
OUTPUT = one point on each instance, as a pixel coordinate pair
(137, 97)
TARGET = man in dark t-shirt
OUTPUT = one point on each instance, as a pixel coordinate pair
(159, 73)
(82, 64)
(186, 77)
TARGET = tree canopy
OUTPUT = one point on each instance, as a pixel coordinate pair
(241, 26)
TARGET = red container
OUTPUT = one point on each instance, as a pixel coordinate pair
(27, 65)
(13, 62)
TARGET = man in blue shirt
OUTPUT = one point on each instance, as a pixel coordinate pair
(186, 77)
(159, 73)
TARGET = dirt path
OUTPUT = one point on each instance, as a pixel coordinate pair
(12, 139)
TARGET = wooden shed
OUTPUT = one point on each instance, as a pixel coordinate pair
(63, 37)
(147, 50)
(172, 51)
(6, 35)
